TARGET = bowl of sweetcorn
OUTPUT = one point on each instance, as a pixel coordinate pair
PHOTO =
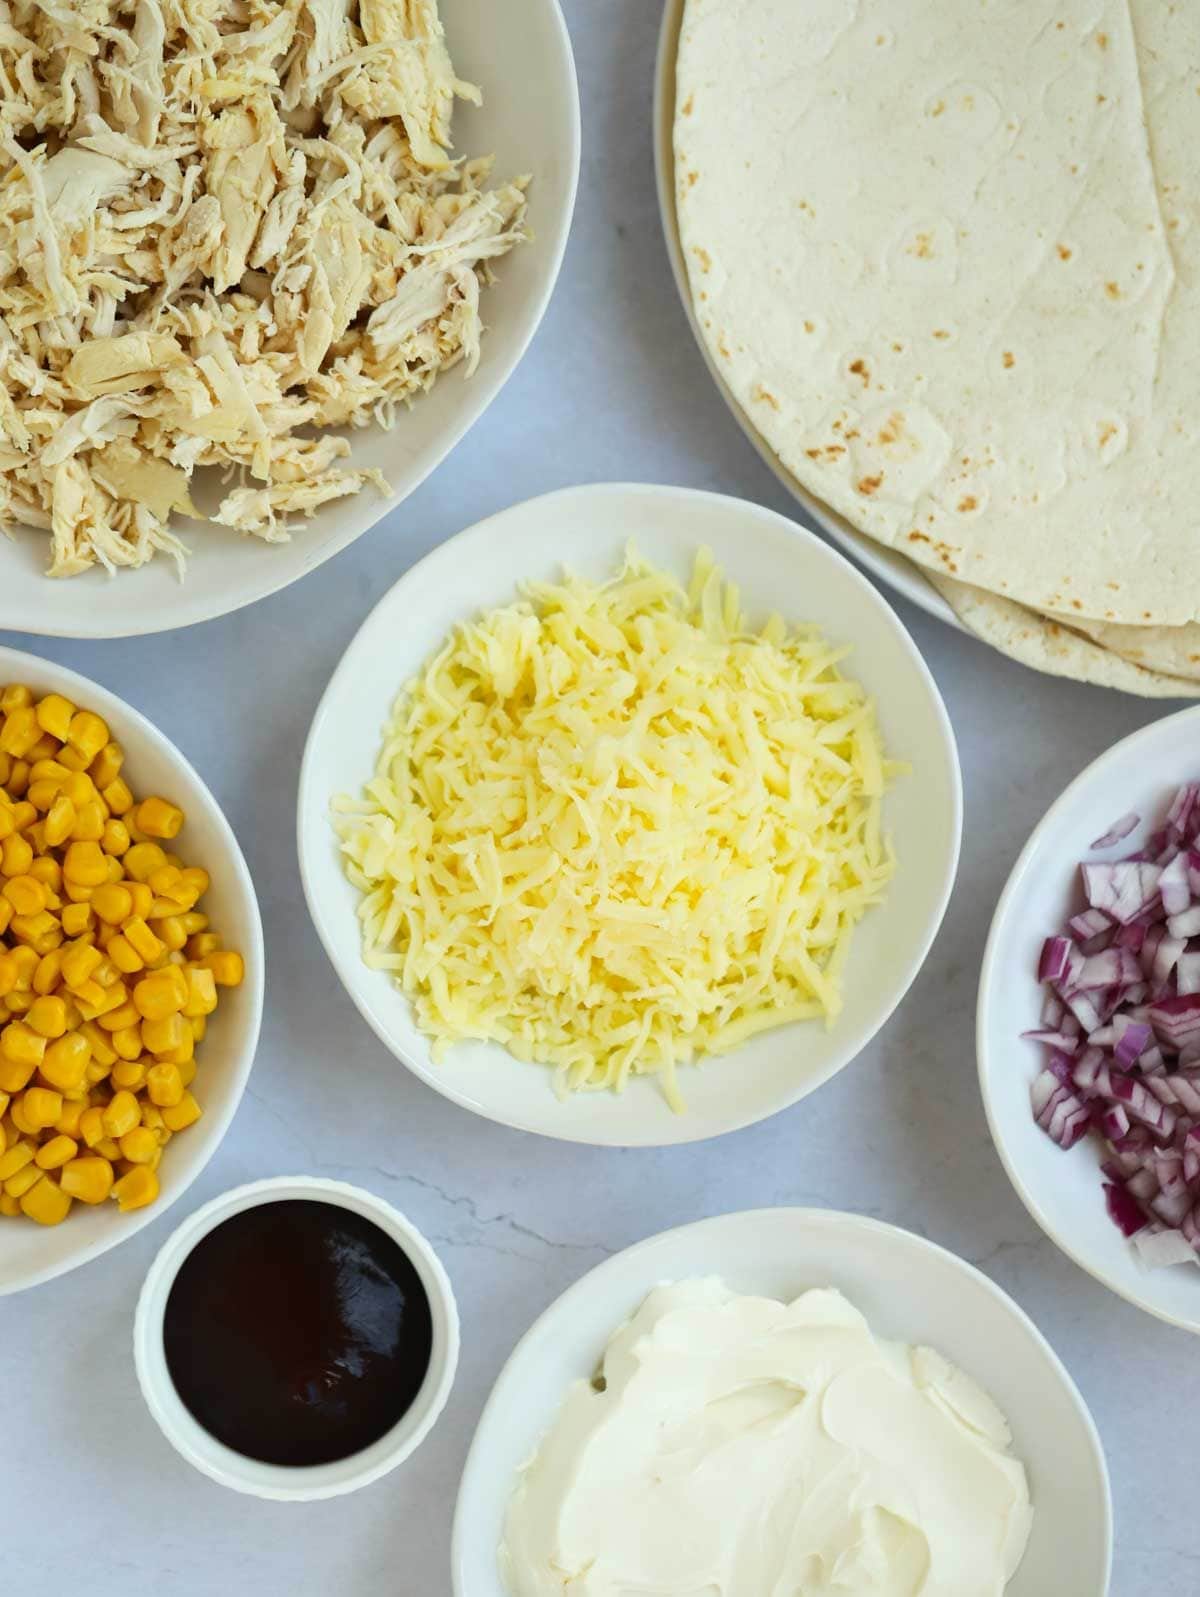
(131, 971)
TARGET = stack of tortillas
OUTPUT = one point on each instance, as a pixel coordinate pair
(946, 256)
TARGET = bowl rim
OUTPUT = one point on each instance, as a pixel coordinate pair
(485, 387)
(882, 562)
(275, 1482)
(352, 974)
(985, 1061)
(94, 696)
(804, 1216)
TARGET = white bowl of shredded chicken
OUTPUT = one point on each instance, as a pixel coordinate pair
(590, 912)
(264, 262)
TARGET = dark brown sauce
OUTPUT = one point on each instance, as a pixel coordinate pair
(297, 1332)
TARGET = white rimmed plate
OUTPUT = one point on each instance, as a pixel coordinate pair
(505, 48)
(778, 566)
(32, 1253)
(1062, 1191)
(909, 1290)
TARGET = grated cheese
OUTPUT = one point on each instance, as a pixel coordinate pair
(613, 829)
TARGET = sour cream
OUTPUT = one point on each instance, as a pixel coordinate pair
(736, 1446)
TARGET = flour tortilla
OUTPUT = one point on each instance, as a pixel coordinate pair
(1049, 645)
(946, 257)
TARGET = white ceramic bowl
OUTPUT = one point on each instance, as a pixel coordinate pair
(777, 566)
(279, 1482)
(909, 1290)
(521, 55)
(882, 562)
(1062, 1191)
(31, 1253)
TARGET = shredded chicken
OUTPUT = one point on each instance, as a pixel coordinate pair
(224, 226)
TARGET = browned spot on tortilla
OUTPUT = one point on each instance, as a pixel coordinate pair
(938, 109)
(829, 452)
(803, 205)
(703, 293)
(1102, 40)
(968, 502)
(688, 105)
(1107, 433)
(899, 348)
(1010, 359)
(918, 537)
(940, 332)
(693, 177)
(703, 257)
(893, 429)
(810, 327)
(1102, 99)
(1064, 254)
(1112, 290)
(853, 433)
(860, 369)
(1060, 26)
(766, 397)
(1077, 603)
(869, 485)
(922, 246)
(723, 348)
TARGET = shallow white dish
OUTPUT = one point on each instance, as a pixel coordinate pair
(908, 1288)
(880, 561)
(777, 566)
(505, 48)
(32, 1253)
(1062, 1191)
(282, 1483)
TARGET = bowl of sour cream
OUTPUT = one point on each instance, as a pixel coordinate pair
(784, 1400)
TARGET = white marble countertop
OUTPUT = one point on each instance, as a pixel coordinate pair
(612, 388)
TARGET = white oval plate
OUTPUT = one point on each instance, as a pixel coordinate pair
(505, 48)
(778, 566)
(32, 1253)
(1062, 1191)
(900, 574)
(909, 1290)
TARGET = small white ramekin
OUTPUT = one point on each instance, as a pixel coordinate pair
(280, 1482)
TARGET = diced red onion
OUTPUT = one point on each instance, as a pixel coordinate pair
(1124, 1210)
(1124, 890)
(1173, 886)
(1118, 831)
(1058, 958)
(1135, 1037)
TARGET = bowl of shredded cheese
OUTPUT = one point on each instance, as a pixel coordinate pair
(263, 267)
(629, 816)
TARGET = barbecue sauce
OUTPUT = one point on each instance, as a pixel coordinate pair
(297, 1332)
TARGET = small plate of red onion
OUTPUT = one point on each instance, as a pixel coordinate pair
(1089, 1021)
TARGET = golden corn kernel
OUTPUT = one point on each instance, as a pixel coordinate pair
(136, 1190)
(16, 1185)
(115, 839)
(177, 1117)
(54, 715)
(16, 855)
(202, 945)
(102, 1052)
(26, 894)
(117, 796)
(121, 1115)
(87, 733)
(41, 1106)
(66, 1061)
(139, 1146)
(56, 1152)
(79, 963)
(77, 919)
(149, 947)
(16, 1158)
(21, 1046)
(10, 1206)
(85, 865)
(89, 1178)
(113, 903)
(67, 1124)
(127, 1044)
(106, 767)
(163, 1036)
(91, 1126)
(158, 818)
(46, 1202)
(129, 1074)
(60, 821)
(155, 997)
(164, 1085)
(47, 1016)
